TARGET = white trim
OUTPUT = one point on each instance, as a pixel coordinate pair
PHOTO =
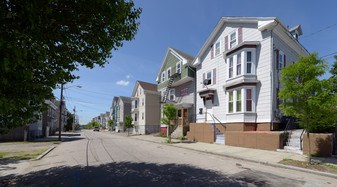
(243, 99)
(167, 73)
(215, 54)
(163, 78)
(177, 67)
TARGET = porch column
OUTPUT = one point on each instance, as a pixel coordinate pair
(182, 116)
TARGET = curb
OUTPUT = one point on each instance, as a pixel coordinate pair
(43, 154)
(255, 161)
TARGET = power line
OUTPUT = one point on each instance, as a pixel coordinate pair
(318, 31)
(329, 54)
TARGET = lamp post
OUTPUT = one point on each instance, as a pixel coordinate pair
(61, 103)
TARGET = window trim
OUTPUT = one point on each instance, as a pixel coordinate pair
(178, 63)
(174, 94)
(167, 71)
(234, 102)
(215, 49)
(163, 76)
(236, 39)
(211, 79)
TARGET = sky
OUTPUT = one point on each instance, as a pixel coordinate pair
(186, 25)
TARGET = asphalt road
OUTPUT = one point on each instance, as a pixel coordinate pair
(103, 159)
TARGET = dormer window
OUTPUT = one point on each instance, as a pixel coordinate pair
(233, 39)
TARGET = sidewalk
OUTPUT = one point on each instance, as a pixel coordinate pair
(253, 155)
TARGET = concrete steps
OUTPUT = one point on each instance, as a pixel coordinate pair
(294, 143)
(220, 139)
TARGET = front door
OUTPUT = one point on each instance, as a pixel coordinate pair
(209, 111)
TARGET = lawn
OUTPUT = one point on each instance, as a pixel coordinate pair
(21, 155)
(313, 166)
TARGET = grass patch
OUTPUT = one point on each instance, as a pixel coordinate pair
(313, 166)
(21, 155)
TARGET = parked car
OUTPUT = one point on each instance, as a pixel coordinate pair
(96, 128)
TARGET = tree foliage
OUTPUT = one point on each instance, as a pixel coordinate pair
(43, 42)
(128, 122)
(333, 78)
(307, 97)
(111, 123)
(70, 121)
(170, 113)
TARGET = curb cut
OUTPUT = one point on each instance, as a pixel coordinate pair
(255, 161)
(44, 154)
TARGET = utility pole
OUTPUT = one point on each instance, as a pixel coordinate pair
(74, 118)
(60, 118)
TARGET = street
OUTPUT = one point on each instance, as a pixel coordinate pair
(105, 159)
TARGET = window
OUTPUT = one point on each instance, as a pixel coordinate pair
(232, 39)
(135, 116)
(281, 61)
(163, 77)
(230, 67)
(230, 102)
(142, 115)
(238, 101)
(217, 48)
(208, 79)
(143, 102)
(168, 73)
(172, 94)
(140, 91)
(238, 65)
(249, 100)
(178, 67)
(136, 103)
(249, 62)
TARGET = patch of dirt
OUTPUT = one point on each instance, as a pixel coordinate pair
(313, 166)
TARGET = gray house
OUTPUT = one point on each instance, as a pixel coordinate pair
(123, 109)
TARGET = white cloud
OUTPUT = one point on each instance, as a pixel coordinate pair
(123, 83)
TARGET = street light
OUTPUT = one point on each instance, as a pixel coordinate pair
(60, 118)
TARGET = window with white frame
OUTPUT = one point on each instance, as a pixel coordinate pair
(230, 102)
(232, 39)
(172, 94)
(281, 60)
(241, 100)
(230, 69)
(142, 115)
(208, 79)
(163, 77)
(140, 91)
(143, 102)
(249, 62)
(238, 101)
(238, 64)
(168, 73)
(135, 117)
(217, 48)
(178, 67)
(136, 103)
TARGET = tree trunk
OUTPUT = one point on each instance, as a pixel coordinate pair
(168, 134)
(309, 151)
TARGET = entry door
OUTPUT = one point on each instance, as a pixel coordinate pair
(209, 111)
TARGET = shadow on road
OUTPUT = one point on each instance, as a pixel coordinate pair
(124, 174)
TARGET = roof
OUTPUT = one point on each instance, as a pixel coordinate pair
(148, 86)
(263, 24)
(184, 57)
(125, 99)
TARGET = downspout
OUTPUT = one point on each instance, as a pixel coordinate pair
(272, 80)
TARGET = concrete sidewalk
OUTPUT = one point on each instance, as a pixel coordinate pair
(249, 154)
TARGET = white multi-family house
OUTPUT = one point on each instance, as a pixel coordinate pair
(145, 108)
(176, 83)
(238, 71)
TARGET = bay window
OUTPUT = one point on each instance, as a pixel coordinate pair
(241, 100)
(249, 62)
(230, 67)
(230, 103)
(238, 65)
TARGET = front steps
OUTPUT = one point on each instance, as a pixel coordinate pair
(293, 144)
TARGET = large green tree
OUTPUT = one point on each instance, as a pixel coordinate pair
(333, 78)
(43, 42)
(308, 97)
(170, 113)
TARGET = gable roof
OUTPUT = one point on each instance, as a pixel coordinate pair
(145, 86)
(184, 57)
(264, 23)
(125, 99)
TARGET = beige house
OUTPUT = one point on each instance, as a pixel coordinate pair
(145, 108)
